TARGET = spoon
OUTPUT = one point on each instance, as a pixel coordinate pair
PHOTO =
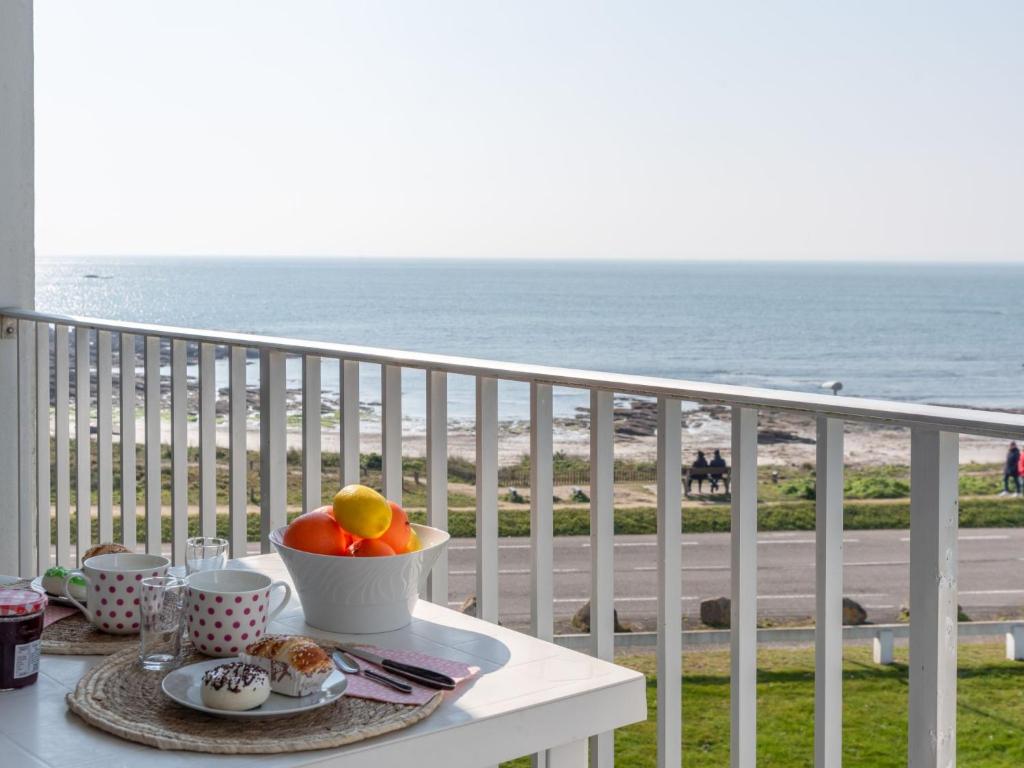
(346, 663)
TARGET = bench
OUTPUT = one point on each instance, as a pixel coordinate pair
(692, 474)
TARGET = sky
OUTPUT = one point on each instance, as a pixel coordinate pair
(675, 130)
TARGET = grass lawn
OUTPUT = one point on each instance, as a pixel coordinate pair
(990, 714)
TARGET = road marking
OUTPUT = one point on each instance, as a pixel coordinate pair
(685, 568)
(877, 562)
(974, 537)
(992, 591)
(586, 544)
(520, 571)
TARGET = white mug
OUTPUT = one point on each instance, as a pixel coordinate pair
(112, 588)
(228, 609)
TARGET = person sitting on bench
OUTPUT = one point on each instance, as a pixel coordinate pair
(716, 478)
(700, 463)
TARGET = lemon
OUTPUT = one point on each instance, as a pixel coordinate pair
(362, 511)
(414, 542)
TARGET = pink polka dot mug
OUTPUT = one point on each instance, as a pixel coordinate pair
(228, 609)
(113, 585)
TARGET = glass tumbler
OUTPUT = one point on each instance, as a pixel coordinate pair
(162, 604)
(203, 553)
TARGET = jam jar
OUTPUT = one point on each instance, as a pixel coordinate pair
(21, 626)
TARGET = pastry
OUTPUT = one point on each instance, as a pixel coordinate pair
(104, 549)
(235, 686)
(296, 664)
(53, 583)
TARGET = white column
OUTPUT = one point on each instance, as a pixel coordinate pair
(487, 498)
(152, 405)
(541, 512)
(207, 440)
(934, 519)
(126, 369)
(602, 554)
(238, 513)
(179, 451)
(670, 618)
(743, 696)
(26, 399)
(17, 244)
(828, 632)
(62, 448)
(83, 441)
(437, 478)
(273, 451)
(391, 432)
(42, 398)
(312, 467)
(104, 441)
(349, 375)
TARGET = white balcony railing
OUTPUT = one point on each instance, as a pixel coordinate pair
(934, 467)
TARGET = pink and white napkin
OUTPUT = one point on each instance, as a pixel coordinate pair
(362, 688)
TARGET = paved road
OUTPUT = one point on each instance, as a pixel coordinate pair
(875, 573)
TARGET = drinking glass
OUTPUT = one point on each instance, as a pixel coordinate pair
(162, 604)
(203, 553)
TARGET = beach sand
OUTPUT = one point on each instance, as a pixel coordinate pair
(786, 438)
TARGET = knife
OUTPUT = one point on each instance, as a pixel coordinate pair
(421, 675)
(351, 667)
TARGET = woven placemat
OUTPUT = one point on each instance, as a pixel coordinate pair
(76, 636)
(119, 697)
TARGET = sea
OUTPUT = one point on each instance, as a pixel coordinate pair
(934, 333)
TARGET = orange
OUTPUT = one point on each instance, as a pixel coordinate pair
(362, 511)
(370, 548)
(316, 532)
(399, 533)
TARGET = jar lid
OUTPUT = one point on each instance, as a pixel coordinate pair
(21, 602)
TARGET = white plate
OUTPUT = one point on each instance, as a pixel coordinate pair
(37, 585)
(184, 686)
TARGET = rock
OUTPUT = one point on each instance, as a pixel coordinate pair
(853, 613)
(468, 606)
(717, 612)
(581, 620)
(960, 615)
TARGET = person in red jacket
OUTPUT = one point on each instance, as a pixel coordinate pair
(1020, 469)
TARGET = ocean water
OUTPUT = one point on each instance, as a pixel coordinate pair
(922, 333)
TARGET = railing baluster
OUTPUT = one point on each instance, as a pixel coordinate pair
(83, 442)
(828, 627)
(349, 376)
(934, 519)
(42, 396)
(437, 478)
(273, 457)
(391, 431)
(487, 498)
(152, 405)
(104, 445)
(26, 396)
(238, 513)
(179, 451)
(128, 469)
(670, 616)
(541, 495)
(312, 467)
(207, 440)
(743, 697)
(62, 447)
(602, 553)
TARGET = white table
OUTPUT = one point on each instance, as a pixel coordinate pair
(530, 696)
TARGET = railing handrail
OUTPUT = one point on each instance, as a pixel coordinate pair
(959, 420)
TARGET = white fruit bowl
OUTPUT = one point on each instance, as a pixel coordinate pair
(360, 595)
